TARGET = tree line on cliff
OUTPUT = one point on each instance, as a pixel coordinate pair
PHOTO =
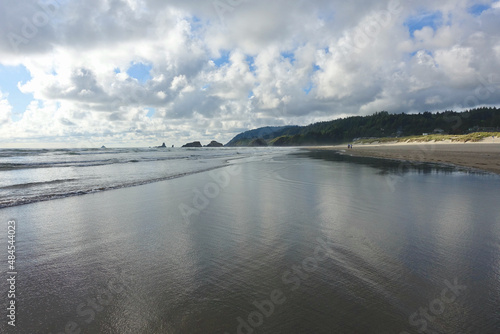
(380, 124)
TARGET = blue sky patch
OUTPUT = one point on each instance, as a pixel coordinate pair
(196, 24)
(417, 22)
(9, 77)
(478, 9)
(289, 55)
(140, 71)
(151, 112)
(307, 89)
(251, 63)
(414, 53)
(223, 59)
(326, 16)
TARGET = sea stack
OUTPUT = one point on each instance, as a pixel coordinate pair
(213, 143)
(193, 144)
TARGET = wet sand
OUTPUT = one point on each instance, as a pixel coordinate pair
(292, 244)
(482, 155)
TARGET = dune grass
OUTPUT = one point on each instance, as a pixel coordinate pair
(471, 137)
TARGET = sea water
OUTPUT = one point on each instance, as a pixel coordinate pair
(28, 176)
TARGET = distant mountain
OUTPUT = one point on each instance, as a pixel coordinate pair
(269, 132)
(381, 124)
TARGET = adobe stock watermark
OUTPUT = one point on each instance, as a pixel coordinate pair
(87, 311)
(222, 7)
(423, 318)
(292, 279)
(486, 88)
(413, 161)
(221, 178)
(31, 25)
(364, 35)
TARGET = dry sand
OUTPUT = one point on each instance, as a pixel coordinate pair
(483, 155)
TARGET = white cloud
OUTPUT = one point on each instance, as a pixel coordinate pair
(287, 62)
(5, 111)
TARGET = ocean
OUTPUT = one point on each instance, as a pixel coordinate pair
(28, 176)
(236, 241)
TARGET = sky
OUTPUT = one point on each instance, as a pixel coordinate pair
(137, 73)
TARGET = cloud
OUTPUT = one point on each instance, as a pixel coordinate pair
(5, 110)
(215, 68)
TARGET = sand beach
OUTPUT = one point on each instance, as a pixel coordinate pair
(484, 155)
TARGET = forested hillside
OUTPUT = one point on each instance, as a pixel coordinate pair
(381, 124)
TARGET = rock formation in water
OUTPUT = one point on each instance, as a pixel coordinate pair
(213, 143)
(193, 144)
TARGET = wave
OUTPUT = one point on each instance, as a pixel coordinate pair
(84, 163)
(22, 200)
(32, 184)
(52, 174)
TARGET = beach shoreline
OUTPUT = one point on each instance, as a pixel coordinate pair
(484, 155)
(219, 244)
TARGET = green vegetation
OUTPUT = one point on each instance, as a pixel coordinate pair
(383, 126)
(471, 137)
